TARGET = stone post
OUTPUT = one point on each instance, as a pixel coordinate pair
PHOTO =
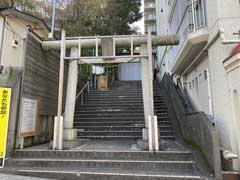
(70, 134)
(146, 89)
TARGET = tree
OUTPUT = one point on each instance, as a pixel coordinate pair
(101, 17)
(85, 17)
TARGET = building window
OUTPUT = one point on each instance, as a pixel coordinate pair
(196, 81)
(205, 75)
(196, 12)
(190, 86)
(193, 84)
(200, 77)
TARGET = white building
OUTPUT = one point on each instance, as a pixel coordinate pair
(150, 16)
(204, 66)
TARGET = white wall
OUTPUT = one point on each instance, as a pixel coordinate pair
(220, 14)
(228, 18)
(199, 91)
(234, 90)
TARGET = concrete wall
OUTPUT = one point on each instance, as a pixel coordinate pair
(196, 128)
(197, 86)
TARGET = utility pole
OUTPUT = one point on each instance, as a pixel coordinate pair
(51, 34)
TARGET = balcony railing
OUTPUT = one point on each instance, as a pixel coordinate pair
(149, 5)
(149, 17)
(152, 28)
(193, 19)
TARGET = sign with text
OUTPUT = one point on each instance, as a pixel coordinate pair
(29, 117)
(5, 100)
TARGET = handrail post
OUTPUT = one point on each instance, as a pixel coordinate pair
(96, 48)
(82, 98)
(88, 90)
(132, 46)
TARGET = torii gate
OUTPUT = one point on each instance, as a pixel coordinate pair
(64, 130)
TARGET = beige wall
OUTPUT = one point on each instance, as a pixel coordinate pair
(1, 33)
(15, 28)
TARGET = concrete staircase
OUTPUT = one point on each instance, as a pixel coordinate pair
(118, 114)
(115, 116)
(103, 165)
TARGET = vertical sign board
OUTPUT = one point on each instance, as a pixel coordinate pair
(5, 98)
(29, 117)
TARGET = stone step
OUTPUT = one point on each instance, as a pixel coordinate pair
(126, 100)
(110, 103)
(118, 123)
(112, 138)
(119, 133)
(117, 155)
(129, 99)
(119, 97)
(114, 109)
(119, 104)
(115, 118)
(105, 174)
(88, 119)
(113, 105)
(117, 128)
(101, 163)
(138, 95)
(116, 138)
(110, 123)
(109, 114)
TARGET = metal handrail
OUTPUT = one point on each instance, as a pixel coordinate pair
(87, 85)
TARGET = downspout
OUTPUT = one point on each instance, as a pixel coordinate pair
(3, 32)
(19, 141)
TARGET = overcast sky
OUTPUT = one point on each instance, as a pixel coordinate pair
(140, 23)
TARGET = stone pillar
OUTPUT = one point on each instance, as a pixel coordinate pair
(70, 134)
(146, 89)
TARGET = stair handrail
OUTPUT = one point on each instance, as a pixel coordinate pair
(87, 85)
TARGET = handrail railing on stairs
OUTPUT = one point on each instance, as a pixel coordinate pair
(87, 85)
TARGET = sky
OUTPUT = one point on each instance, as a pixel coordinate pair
(140, 23)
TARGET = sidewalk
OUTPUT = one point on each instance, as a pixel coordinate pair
(13, 177)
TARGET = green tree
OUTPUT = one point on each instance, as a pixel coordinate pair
(101, 17)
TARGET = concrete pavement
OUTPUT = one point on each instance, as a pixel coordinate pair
(13, 177)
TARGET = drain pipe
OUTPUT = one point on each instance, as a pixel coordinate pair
(226, 41)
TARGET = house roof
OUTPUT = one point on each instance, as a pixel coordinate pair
(28, 17)
(235, 51)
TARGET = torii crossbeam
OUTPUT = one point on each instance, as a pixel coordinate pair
(109, 44)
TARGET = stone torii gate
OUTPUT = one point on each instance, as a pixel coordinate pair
(64, 128)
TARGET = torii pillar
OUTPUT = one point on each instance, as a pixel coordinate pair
(145, 44)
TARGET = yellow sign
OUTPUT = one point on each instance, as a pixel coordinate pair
(5, 96)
